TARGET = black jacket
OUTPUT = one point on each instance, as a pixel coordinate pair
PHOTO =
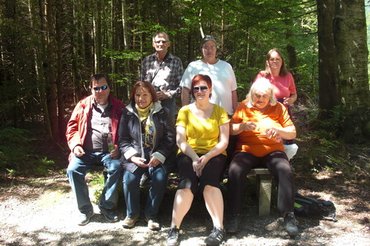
(130, 136)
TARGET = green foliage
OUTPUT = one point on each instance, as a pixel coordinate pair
(17, 155)
(13, 146)
(43, 166)
(322, 143)
(97, 182)
(123, 55)
(350, 126)
(11, 172)
(322, 150)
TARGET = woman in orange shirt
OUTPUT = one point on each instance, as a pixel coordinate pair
(261, 123)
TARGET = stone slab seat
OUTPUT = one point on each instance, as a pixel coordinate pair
(264, 186)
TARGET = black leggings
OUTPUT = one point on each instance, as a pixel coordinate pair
(277, 163)
(211, 174)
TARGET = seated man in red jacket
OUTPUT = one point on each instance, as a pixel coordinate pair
(92, 137)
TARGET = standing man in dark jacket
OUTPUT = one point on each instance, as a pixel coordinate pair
(92, 138)
(164, 71)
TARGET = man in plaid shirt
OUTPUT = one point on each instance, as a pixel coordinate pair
(164, 71)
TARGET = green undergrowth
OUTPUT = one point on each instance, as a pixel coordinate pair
(18, 155)
(318, 151)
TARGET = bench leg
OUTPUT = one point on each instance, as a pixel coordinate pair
(265, 184)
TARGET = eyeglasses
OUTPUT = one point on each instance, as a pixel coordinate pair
(98, 88)
(200, 88)
(275, 60)
(159, 41)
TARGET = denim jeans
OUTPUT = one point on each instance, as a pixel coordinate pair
(76, 173)
(131, 190)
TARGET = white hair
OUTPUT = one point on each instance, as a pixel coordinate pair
(262, 86)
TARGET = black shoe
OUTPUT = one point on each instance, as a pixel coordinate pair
(216, 237)
(232, 225)
(109, 214)
(173, 237)
(290, 224)
(85, 218)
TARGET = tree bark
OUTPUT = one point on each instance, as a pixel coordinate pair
(343, 72)
(328, 75)
(51, 86)
(351, 48)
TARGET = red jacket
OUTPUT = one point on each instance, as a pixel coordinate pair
(77, 124)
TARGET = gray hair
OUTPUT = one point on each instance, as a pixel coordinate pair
(161, 34)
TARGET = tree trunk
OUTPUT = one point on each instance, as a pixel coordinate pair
(351, 48)
(51, 86)
(343, 72)
(8, 66)
(59, 70)
(328, 75)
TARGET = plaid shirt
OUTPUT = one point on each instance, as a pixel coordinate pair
(165, 75)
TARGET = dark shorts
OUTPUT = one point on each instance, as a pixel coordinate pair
(211, 174)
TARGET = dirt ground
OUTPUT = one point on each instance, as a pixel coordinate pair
(43, 211)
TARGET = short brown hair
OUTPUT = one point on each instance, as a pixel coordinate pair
(99, 76)
(146, 85)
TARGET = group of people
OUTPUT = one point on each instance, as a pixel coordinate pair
(150, 137)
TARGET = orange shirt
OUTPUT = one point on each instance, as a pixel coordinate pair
(256, 142)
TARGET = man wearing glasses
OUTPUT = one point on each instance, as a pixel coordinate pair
(92, 138)
(164, 71)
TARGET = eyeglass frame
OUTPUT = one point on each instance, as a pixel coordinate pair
(159, 41)
(100, 88)
(200, 88)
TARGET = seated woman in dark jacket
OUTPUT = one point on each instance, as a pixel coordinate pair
(146, 141)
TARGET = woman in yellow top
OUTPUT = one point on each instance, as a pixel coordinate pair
(202, 133)
(261, 123)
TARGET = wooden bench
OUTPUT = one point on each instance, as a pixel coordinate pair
(264, 186)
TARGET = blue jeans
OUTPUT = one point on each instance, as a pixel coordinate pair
(76, 173)
(131, 191)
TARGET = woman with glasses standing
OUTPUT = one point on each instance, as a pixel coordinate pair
(284, 88)
(202, 133)
(276, 72)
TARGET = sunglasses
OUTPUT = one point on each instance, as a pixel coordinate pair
(103, 88)
(200, 88)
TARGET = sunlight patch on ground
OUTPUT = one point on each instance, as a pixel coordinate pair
(47, 237)
(326, 175)
(53, 198)
(348, 239)
(255, 241)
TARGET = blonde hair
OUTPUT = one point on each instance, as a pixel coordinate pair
(264, 86)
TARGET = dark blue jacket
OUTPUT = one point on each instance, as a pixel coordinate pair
(130, 136)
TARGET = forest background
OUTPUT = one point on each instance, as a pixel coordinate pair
(50, 48)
